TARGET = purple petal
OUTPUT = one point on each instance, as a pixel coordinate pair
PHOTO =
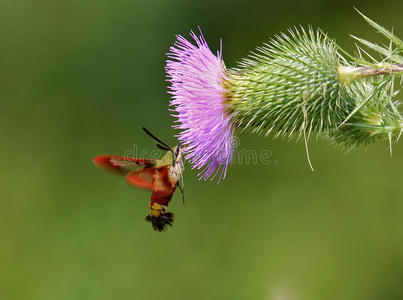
(196, 78)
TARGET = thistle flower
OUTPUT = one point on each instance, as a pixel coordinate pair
(296, 84)
(196, 79)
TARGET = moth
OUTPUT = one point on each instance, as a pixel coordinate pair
(161, 176)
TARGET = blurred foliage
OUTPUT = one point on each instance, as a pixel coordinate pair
(79, 78)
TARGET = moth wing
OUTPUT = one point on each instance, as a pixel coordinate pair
(143, 178)
(120, 164)
(153, 178)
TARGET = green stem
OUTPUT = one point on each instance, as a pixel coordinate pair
(348, 74)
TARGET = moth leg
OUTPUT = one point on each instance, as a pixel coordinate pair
(182, 189)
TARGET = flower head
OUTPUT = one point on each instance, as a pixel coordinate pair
(196, 79)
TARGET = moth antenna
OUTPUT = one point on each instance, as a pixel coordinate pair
(163, 147)
(155, 138)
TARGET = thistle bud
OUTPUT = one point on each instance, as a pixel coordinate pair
(289, 85)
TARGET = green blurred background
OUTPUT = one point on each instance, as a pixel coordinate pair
(79, 78)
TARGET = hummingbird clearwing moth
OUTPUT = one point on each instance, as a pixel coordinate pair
(161, 176)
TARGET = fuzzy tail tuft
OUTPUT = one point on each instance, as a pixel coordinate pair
(160, 222)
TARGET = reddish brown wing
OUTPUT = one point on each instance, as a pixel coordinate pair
(156, 179)
(143, 178)
(141, 173)
(120, 164)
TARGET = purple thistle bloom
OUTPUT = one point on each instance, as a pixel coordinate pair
(196, 78)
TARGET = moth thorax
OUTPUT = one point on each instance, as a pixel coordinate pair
(156, 209)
